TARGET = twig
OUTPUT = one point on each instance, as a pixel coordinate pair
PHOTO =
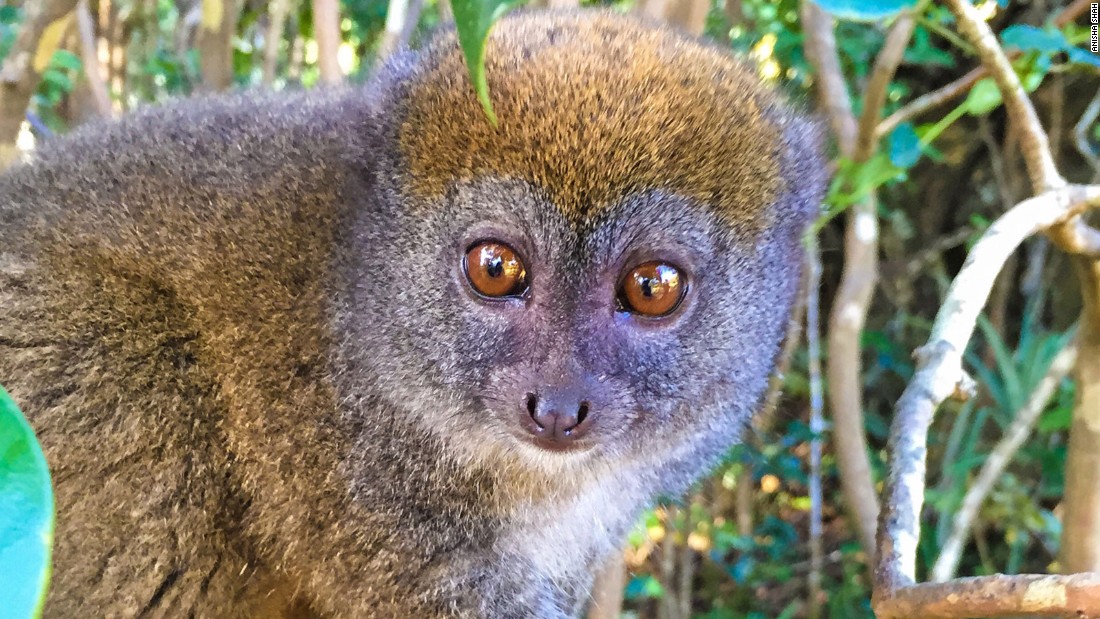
(1081, 134)
(817, 427)
(962, 85)
(1017, 432)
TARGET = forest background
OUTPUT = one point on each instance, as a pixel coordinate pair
(926, 156)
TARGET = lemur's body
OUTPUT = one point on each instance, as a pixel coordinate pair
(241, 329)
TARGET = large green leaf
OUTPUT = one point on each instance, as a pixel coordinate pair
(26, 516)
(473, 21)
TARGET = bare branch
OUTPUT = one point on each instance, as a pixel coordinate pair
(607, 592)
(962, 85)
(832, 93)
(1033, 139)
(857, 286)
(1081, 134)
(276, 23)
(89, 57)
(874, 95)
(1076, 596)
(817, 427)
(401, 18)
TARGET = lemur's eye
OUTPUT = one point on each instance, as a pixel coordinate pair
(495, 270)
(652, 289)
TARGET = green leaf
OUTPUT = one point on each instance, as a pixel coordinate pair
(58, 80)
(904, 146)
(66, 60)
(1030, 38)
(984, 97)
(473, 21)
(865, 10)
(26, 515)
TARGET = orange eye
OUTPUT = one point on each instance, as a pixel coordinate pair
(495, 270)
(652, 289)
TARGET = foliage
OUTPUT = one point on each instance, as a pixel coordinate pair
(26, 515)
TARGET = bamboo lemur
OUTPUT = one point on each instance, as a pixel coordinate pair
(358, 353)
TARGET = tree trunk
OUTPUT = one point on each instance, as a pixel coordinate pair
(276, 15)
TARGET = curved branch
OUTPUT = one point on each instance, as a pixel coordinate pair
(940, 375)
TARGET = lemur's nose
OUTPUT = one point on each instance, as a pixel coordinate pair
(557, 416)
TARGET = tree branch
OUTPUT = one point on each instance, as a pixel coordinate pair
(940, 375)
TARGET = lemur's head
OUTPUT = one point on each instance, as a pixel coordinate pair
(609, 272)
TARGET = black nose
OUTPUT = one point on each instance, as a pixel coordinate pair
(557, 418)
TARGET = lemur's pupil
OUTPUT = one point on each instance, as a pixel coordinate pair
(495, 267)
(647, 287)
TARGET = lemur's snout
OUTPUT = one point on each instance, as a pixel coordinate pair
(557, 416)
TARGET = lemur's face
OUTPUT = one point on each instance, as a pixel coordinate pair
(610, 271)
(549, 340)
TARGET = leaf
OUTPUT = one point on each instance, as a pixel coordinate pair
(904, 146)
(473, 21)
(1047, 42)
(865, 10)
(66, 60)
(1080, 56)
(57, 79)
(984, 97)
(1030, 38)
(26, 515)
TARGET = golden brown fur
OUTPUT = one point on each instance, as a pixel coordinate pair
(592, 107)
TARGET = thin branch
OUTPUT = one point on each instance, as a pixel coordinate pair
(1081, 134)
(1033, 139)
(962, 85)
(44, 23)
(874, 95)
(1018, 432)
(607, 592)
(89, 57)
(832, 93)
(817, 428)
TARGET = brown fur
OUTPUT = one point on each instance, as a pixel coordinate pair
(594, 107)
